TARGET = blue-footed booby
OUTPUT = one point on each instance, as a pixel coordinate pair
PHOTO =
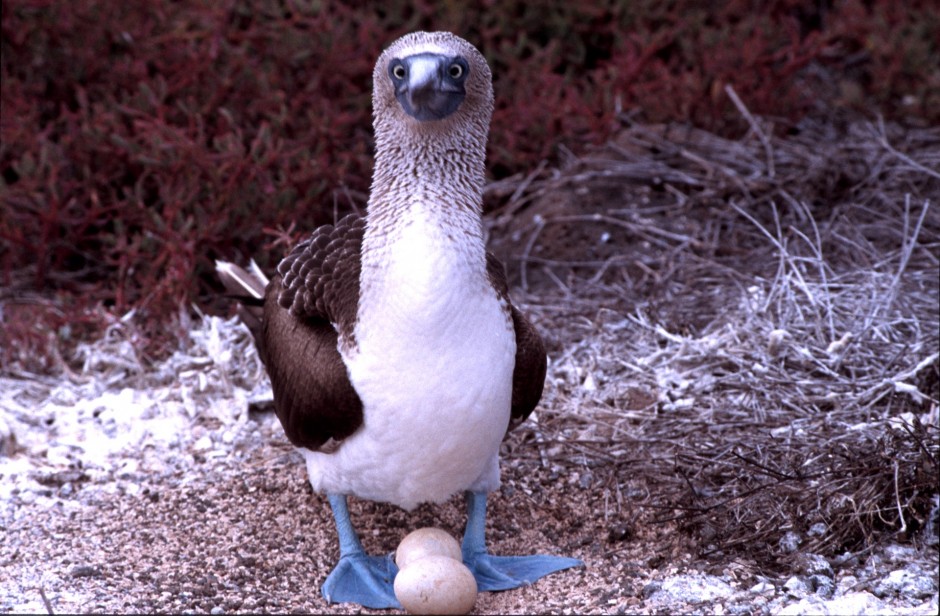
(397, 361)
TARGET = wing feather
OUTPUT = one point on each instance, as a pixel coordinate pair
(528, 375)
(308, 307)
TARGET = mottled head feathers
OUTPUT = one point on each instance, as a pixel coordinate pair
(444, 148)
(477, 105)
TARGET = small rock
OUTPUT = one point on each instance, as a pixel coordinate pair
(814, 564)
(817, 530)
(796, 587)
(846, 584)
(651, 589)
(822, 585)
(693, 589)
(589, 384)
(790, 542)
(903, 554)
(64, 396)
(619, 532)
(7, 436)
(232, 604)
(82, 571)
(846, 559)
(60, 478)
(128, 469)
(854, 604)
(907, 583)
(60, 456)
(932, 527)
(762, 588)
(745, 609)
(204, 443)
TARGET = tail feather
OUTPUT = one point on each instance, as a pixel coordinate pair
(247, 286)
(240, 282)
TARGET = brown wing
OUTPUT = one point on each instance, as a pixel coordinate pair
(528, 375)
(310, 303)
(320, 276)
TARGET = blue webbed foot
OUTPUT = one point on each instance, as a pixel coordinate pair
(502, 572)
(363, 579)
(358, 577)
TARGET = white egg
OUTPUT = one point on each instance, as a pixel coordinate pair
(436, 585)
(426, 542)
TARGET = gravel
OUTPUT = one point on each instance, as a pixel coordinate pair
(161, 491)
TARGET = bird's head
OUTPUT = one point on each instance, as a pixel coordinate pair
(432, 79)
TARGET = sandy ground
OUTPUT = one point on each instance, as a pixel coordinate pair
(168, 499)
(236, 527)
(223, 519)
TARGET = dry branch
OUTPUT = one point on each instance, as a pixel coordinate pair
(760, 321)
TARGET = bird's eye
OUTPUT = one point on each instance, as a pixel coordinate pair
(398, 72)
(455, 71)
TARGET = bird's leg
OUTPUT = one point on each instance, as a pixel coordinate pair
(358, 577)
(501, 572)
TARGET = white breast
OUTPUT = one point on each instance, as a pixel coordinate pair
(433, 366)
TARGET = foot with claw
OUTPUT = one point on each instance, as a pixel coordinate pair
(358, 577)
(502, 572)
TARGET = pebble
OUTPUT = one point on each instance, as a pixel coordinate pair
(814, 564)
(847, 584)
(763, 588)
(899, 553)
(790, 542)
(906, 582)
(128, 469)
(82, 571)
(822, 585)
(854, 604)
(7, 435)
(795, 587)
(692, 589)
(651, 589)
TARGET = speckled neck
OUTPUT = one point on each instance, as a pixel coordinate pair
(429, 168)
